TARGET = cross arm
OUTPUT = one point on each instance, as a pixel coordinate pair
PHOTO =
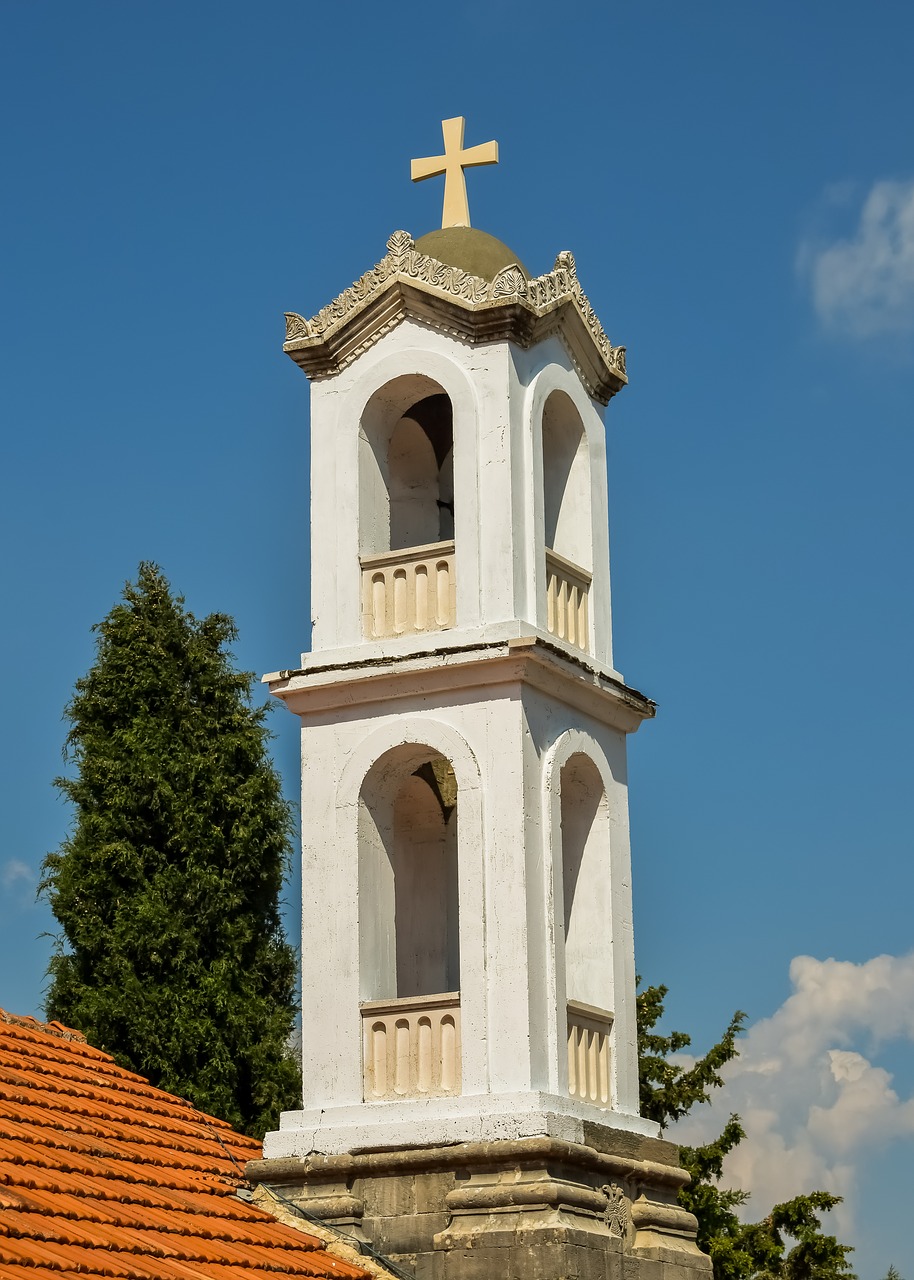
(429, 167)
(484, 153)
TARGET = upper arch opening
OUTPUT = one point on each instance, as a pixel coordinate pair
(567, 520)
(406, 467)
(406, 508)
(566, 482)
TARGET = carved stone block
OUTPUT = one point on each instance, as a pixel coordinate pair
(527, 1209)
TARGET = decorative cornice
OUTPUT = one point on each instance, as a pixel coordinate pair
(409, 283)
(532, 660)
(624, 1160)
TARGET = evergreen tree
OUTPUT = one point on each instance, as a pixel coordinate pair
(789, 1244)
(167, 886)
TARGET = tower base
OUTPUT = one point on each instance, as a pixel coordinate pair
(526, 1209)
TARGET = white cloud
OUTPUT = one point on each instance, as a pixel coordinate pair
(813, 1104)
(14, 872)
(864, 285)
(19, 883)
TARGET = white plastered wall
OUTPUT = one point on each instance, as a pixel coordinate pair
(497, 393)
(507, 746)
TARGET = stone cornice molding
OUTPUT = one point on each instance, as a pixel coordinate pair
(526, 660)
(509, 308)
(664, 1172)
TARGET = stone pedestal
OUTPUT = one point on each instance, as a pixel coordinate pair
(526, 1209)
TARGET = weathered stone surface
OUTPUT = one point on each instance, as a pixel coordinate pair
(432, 1190)
(525, 1209)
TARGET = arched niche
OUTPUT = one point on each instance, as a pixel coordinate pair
(406, 466)
(408, 890)
(567, 513)
(586, 883)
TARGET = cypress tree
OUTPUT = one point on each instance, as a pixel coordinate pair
(167, 887)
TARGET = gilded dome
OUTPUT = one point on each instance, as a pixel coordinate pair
(469, 249)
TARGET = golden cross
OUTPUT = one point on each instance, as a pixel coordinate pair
(452, 164)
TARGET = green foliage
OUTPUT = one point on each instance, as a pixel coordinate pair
(167, 886)
(668, 1089)
(787, 1245)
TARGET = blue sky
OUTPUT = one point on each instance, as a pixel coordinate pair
(737, 186)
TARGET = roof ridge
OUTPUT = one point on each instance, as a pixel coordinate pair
(50, 1028)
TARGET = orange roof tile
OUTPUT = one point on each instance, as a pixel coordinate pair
(101, 1175)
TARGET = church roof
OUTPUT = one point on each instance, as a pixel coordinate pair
(469, 284)
(103, 1175)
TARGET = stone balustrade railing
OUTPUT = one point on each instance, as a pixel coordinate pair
(408, 591)
(567, 591)
(589, 1053)
(411, 1047)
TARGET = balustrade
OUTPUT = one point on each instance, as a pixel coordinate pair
(411, 1047)
(567, 592)
(408, 591)
(589, 1053)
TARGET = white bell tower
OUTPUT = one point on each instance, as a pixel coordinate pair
(469, 985)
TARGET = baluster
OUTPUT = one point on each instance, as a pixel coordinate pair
(572, 1060)
(400, 601)
(603, 1091)
(379, 1058)
(402, 1047)
(449, 1050)
(443, 601)
(424, 1056)
(379, 604)
(420, 615)
(593, 1048)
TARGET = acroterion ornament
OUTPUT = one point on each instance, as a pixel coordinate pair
(456, 158)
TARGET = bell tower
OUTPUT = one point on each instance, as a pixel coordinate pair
(469, 1039)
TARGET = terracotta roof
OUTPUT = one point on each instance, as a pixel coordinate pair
(101, 1175)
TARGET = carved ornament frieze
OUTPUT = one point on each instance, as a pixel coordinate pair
(407, 282)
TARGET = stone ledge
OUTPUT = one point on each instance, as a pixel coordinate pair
(445, 664)
(535, 1208)
(322, 1168)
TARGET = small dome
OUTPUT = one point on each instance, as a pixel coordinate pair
(469, 249)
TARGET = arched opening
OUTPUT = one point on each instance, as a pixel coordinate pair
(406, 481)
(587, 928)
(586, 884)
(421, 471)
(424, 857)
(568, 527)
(566, 482)
(406, 508)
(409, 948)
(408, 889)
